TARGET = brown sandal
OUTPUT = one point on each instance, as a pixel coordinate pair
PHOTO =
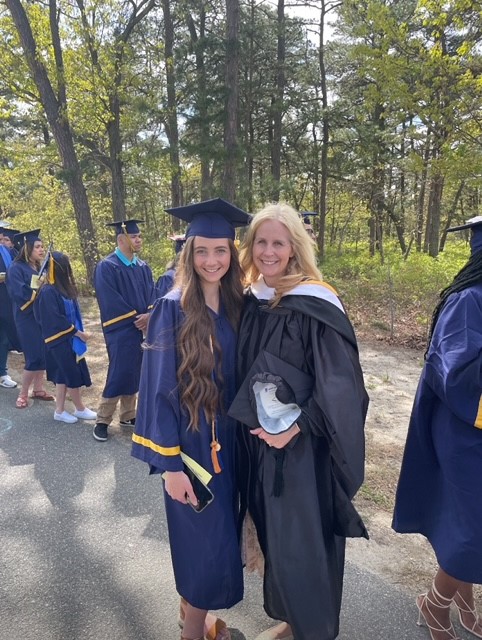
(42, 395)
(21, 402)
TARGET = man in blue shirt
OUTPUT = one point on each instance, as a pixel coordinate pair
(125, 293)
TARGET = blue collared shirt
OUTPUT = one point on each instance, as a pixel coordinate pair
(124, 259)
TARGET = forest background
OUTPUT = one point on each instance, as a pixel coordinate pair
(366, 112)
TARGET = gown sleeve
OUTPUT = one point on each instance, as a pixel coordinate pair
(18, 287)
(49, 311)
(338, 406)
(453, 368)
(156, 439)
(115, 311)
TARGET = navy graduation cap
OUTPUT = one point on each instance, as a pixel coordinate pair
(10, 233)
(20, 239)
(475, 226)
(214, 218)
(125, 226)
(179, 241)
(306, 216)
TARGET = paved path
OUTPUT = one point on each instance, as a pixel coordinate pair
(84, 551)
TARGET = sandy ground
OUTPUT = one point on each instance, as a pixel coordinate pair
(391, 376)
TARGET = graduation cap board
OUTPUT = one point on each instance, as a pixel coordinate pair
(20, 239)
(125, 226)
(216, 218)
(271, 393)
(179, 241)
(307, 215)
(10, 233)
(470, 224)
(475, 225)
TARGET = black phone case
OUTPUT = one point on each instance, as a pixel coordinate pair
(203, 494)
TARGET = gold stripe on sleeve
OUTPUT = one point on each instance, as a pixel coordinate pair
(59, 335)
(478, 418)
(164, 451)
(29, 302)
(119, 318)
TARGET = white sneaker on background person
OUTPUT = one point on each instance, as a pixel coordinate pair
(65, 416)
(7, 382)
(85, 414)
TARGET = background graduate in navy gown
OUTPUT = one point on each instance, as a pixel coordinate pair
(187, 384)
(440, 486)
(125, 292)
(8, 333)
(165, 282)
(19, 287)
(298, 484)
(57, 310)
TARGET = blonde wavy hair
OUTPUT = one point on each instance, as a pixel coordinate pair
(301, 267)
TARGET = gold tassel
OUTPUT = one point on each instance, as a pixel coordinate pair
(51, 269)
(215, 447)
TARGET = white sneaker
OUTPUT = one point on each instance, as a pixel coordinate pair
(65, 416)
(7, 382)
(86, 414)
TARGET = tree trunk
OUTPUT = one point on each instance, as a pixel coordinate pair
(325, 135)
(434, 205)
(172, 131)
(202, 100)
(232, 107)
(277, 107)
(57, 117)
(421, 196)
(450, 216)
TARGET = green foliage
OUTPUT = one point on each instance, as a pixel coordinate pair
(393, 291)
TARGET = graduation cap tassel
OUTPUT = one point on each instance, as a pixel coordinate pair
(215, 447)
(51, 269)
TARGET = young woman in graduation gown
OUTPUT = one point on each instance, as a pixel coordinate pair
(298, 484)
(187, 383)
(440, 485)
(19, 286)
(57, 310)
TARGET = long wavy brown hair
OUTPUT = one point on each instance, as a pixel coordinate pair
(197, 345)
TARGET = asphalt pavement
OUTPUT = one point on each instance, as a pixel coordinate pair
(84, 548)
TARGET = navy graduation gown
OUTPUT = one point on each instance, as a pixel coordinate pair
(204, 546)
(58, 333)
(19, 276)
(123, 292)
(302, 530)
(6, 310)
(165, 283)
(440, 483)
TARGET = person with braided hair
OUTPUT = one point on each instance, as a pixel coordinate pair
(440, 484)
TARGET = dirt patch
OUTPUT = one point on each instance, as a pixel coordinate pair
(391, 376)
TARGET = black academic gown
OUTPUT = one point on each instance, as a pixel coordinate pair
(7, 321)
(204, 546)
(302, 530)
(123, 292)
(58, 334)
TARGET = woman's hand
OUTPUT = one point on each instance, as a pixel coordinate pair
(179, 487)
(277, 441)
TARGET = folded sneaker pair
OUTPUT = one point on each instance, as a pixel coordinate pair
(7, 383)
